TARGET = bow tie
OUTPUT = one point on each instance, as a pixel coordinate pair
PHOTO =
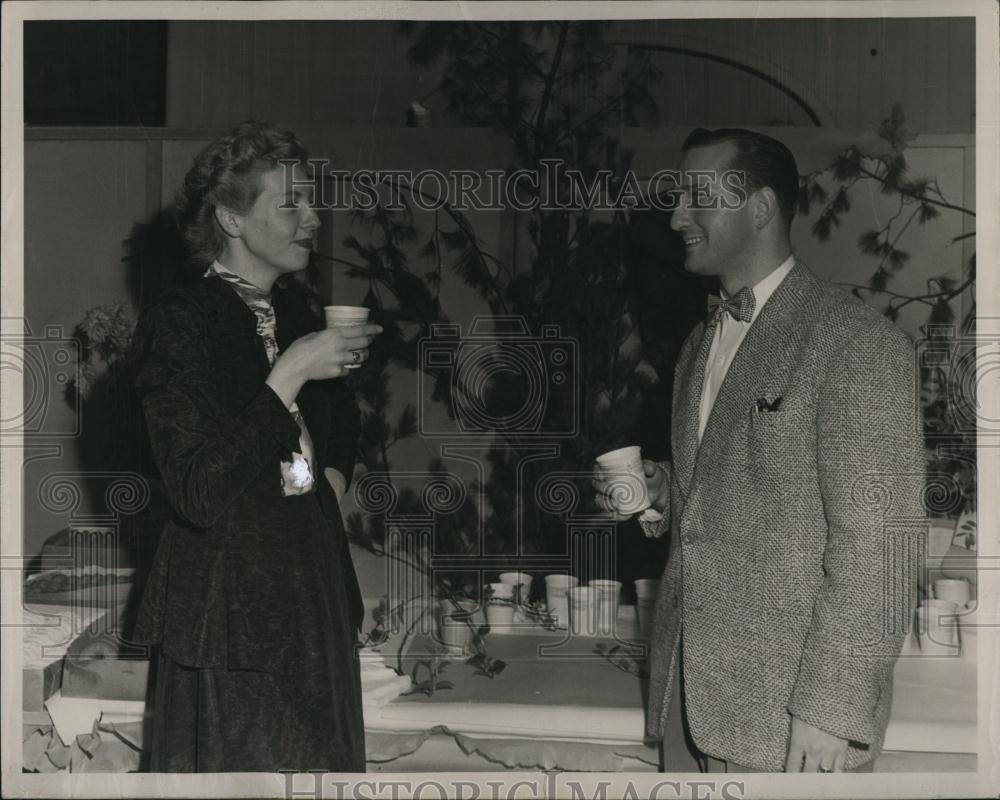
(740, 306)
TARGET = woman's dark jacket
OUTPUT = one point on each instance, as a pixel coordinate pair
(244, 578)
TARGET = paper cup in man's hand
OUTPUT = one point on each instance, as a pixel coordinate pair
(626, 479)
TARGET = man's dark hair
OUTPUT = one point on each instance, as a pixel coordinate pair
(763, 160)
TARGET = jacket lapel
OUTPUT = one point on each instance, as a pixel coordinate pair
(687, 402)
(756, 361)
(753, 363)
(236, 328)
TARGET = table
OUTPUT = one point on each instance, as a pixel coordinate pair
(564, 707)
(559, 704)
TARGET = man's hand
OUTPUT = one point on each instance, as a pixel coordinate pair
(819, 750)
(656, 487)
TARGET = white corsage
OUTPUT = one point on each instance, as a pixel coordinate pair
(296, 475)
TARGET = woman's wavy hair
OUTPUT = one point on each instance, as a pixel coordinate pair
(227, 173)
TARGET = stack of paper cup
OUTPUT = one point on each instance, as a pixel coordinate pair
(345, 317)
(584, 605)
(556, 598)
(646, 590)
(522, 582)
(610, 593)
(626, 479)
(937, 629)
(499, 604)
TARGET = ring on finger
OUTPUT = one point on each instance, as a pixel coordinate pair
(356, 355)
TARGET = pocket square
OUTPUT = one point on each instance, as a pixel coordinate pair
(763, 404)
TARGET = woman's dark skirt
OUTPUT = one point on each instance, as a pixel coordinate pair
(242, 720)
(218, 720)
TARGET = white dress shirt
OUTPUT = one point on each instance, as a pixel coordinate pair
(729, 335)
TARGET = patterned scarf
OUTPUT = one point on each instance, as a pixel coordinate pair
(297, 475)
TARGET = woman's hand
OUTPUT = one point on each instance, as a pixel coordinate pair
(318, 356)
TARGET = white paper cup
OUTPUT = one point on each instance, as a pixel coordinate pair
(455, 624)
(499, 605)
(937, 633)
(957, 590)
(610, 595)
(646, 592)
(556, 587)
(344, 316)
(626, 479)
(584, 604)
(523, 580)
(446, 606)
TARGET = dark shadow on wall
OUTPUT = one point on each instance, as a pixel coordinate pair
(113, 437)
(671, 302)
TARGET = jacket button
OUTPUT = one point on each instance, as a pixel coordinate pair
(687, 538)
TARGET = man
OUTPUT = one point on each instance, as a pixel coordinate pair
(793, 497)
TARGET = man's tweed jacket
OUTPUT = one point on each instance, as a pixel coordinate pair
(796, 533)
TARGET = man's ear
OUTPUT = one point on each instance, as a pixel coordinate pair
(765, 207)
(229, 221)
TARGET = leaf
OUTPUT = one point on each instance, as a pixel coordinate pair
(817, 193)
(841, 203)
(869, 242)
(821, 228)
(897, 259)
(941, 313)
(433, 279)
(847, 165)
(891, 129)
(454, 240)
(406, 425)
(429, 250)
(927, 213)
(879, 280)
(895, 171)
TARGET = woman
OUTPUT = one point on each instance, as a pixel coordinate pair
(252, 596)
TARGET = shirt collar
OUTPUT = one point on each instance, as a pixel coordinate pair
(248, 291)
(764, 288)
